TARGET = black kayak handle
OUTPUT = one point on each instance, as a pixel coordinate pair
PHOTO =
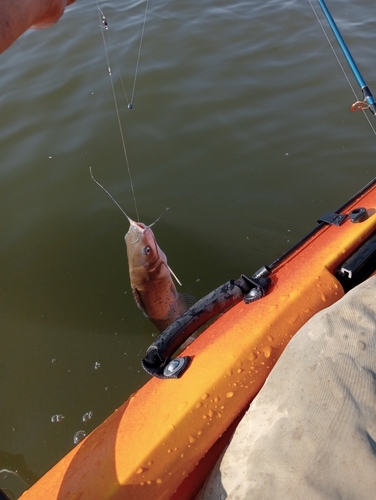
(157, 361)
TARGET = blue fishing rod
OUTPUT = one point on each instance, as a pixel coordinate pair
(369, 101)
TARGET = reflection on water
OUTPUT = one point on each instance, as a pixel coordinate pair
(240, 125)
(15, 475)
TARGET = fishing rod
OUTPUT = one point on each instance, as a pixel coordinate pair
(369, 101)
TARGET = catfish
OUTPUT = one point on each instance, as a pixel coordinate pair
(151, 277)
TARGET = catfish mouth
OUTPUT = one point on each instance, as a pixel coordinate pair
(136, 225)
(137, 229)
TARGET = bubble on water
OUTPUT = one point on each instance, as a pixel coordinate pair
(79, 436)
(97, 365)
(57, 418)
(88, 416)
(53, 361)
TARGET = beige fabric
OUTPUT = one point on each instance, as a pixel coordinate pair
(310, 434)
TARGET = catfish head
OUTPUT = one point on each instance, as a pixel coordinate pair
(144, 254)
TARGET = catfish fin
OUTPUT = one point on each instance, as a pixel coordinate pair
(137, 299)
(185, 301)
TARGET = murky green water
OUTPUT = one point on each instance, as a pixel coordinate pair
(241, 125)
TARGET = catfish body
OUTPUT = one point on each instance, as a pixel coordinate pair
(151, 280)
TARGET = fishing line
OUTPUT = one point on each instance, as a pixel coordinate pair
(104, 25)
(340, 64)
(139, 52)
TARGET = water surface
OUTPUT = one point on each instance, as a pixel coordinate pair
(241, 126)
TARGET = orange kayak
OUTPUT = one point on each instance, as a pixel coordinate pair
(163, 441)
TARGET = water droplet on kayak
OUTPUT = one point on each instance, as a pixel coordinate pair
(293, 319)
(252, 356)
(229, 394)
(140, 470)
(267, 351)
(191, 439)
(205, 396)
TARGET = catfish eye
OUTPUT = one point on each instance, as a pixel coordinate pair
(146, 250)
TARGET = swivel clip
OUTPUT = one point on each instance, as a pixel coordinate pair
(359, 106)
